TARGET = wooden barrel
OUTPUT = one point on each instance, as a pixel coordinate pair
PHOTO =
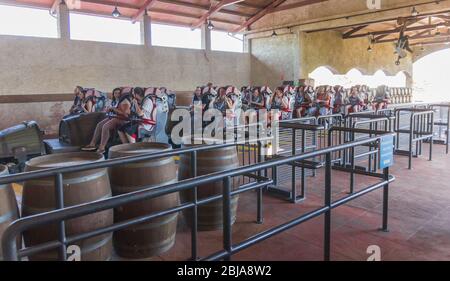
(8, 207)
(211, 161)
(79, 187)
(157, 235)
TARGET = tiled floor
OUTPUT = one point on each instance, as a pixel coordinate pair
(419, 220)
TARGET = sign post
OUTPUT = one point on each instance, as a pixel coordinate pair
(386, 151)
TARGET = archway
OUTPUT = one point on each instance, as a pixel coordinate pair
(324, 75)
(431, 77)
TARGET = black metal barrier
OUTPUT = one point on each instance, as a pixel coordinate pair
(307, 127)
(442, 122)
(9, 241)
(419, 128)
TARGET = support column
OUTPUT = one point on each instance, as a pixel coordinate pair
(63, 21)
(247, 45)
(146, 30)
(206, 38)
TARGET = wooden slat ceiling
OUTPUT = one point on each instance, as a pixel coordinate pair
(422, 30)
(232, 16)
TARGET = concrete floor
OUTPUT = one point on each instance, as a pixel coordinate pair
(419, 220)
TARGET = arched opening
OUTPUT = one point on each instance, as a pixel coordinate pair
(431, 77)
(324, 76)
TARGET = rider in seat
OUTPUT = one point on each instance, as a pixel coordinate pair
(143, 117)
(278, 101)
(354, 102)
(117, 118)
(381, 99)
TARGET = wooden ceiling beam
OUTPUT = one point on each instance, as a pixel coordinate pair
(112, 4)
(147, 5)
(214, 9)
(204, 7)
(354, 30)
(396, 30)
(297, 5)
(418, 36)
(422, 16)
(259, 15)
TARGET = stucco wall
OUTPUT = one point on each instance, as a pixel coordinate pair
(35, 65)
(274, 60)
(50, 66)
(327, 48)
(295, 56)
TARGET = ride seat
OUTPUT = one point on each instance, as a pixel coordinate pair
(146, 135)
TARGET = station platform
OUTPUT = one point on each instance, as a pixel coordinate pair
(419, 220)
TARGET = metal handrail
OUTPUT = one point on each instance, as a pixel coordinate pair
(21, 225)
(421, 122)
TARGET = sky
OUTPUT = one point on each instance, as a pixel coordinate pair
(431, 77)
(27, 22)
(323, 76)
(38, 22)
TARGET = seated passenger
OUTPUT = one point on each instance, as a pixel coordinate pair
(235, 98)
(77, 107)
(339, 98)
(208, 96)
(300, 105)
(267, 94)
(222, 103)
(289, 94)
(257, 99)
(364, 94)
(279, 102)
(197, 99)
(89, 101)
(245, 98)
(310, 96)
(118, 118)
(381, 99)
(353, 103)
(323, 100)
(142, 115)
(115, 97)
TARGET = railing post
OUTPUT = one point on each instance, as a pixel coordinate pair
(430, 131)
(293, 172)
(9, 245)
(352, 164)
(194, 226)
(448, 131)
(303, 183)
(411, 135)
(327, 222)
(59, 198)
(227, 216)
(385, 200)
(259, 216)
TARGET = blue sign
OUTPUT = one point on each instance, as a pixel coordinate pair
(386, 151)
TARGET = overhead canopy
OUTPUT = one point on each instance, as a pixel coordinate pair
(227, 15)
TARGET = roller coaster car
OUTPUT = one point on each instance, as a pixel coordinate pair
(74, 132)
(78, 130)
(20, 143)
